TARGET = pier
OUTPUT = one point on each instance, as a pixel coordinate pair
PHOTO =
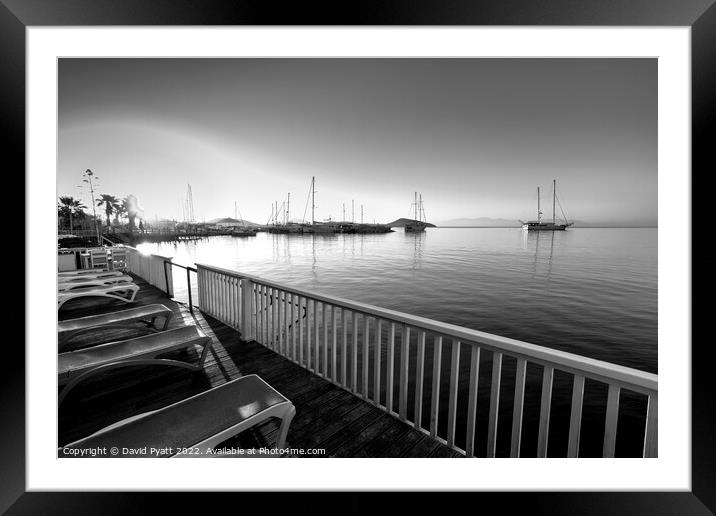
(412, 382)
(88, 238)
(327, 227)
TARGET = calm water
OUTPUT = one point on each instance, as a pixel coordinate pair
(589, 291)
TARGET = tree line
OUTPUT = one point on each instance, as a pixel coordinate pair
(71, 211)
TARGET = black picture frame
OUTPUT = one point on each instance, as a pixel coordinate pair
(700, 15)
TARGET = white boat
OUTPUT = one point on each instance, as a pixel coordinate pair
(539, 224)
(419, 223)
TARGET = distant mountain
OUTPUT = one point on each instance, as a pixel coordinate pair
(399, 223)
(229, 220)
(486, 222)
(623, 224)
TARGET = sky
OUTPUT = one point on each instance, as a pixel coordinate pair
(474, 137)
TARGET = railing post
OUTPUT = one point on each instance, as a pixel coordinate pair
(201, 286)
(188, 288)
(166, 277)
(651, 440)
(610, 424)
(169, 277)
(247, 308)
(545, 405)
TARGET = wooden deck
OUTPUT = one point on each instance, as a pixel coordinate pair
(327, 416)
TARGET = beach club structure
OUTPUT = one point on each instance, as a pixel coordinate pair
(251, 363)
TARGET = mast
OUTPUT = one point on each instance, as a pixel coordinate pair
(539, 213)
(422, 215)
(288, 208)
(415, 204)
(313, 200)
(554, 197)
(190, 204)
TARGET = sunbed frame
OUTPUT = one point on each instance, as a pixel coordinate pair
(91, 273)
(122, 291)
(76, 366)
(147, 314)
(64, 285)
(194, 426)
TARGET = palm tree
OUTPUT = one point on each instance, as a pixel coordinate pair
(130, 207)
(110, 203)
(120, 211)
(63, 208)
(69, 206)
(77, 209)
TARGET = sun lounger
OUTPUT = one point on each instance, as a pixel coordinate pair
(89, 273)
(148, 314)
(77, 282)
(195, 426)
(75, 366)
(122, 291)
(63, 278)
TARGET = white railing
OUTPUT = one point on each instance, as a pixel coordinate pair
(357, 346)
(151, 268)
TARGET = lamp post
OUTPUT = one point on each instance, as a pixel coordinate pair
(88, 179)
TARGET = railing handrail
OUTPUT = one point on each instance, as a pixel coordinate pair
(188, 270)
(630, 378)
(186, 267)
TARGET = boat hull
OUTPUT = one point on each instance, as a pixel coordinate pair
(414, 229)
(544, 226)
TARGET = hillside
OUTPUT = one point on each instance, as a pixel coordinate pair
(401, 222)
(229, 220)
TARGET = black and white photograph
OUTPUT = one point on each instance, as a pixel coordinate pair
(312, 257)
(381, 239)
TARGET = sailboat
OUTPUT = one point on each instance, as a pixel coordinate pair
(419, 223)
(539, 225)
(327, 226)
(243, 229)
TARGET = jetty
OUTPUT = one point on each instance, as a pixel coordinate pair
(368, 381)
(328, 226)
(88, 238)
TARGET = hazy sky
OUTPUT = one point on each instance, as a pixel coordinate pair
(474, 136)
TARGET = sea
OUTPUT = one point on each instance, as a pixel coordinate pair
(589, 291)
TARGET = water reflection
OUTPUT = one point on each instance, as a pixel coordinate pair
(418, 238)
(543, 243)
(597, 279)
(313, 258)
